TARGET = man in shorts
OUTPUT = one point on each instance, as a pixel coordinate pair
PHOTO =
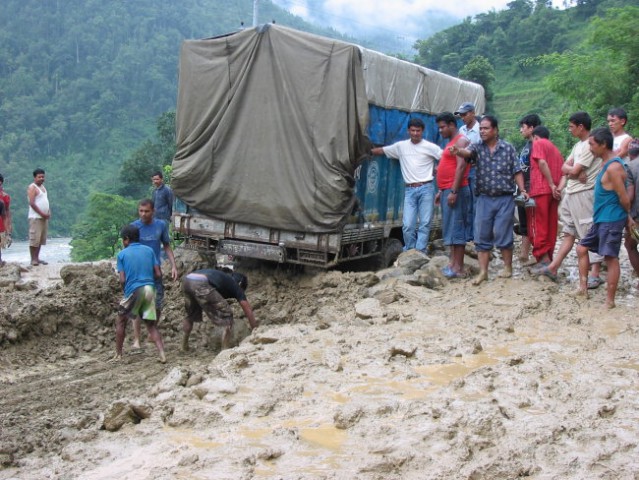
(137, 265)
(575, 210)
(454, 196)
(498, 173)
(154, 233)
(610, 216)
(39, 215)
(207, 290)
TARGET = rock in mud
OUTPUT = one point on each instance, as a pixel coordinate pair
(369, 308)
(412, 260)
(346, 416)
(119, 414)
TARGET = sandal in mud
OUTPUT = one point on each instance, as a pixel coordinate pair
(594, 282)
(545, 271)
(450, 273)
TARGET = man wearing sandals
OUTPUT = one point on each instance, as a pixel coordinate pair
(498, 170)
(138, 266)
(39, 215)
(610, 216)
(580, 171)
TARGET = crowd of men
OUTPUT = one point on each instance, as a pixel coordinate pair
(481, 182)
(487, 192)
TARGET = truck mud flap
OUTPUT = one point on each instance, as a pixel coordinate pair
(252, 250)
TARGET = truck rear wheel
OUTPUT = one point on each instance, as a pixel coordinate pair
(391, 251)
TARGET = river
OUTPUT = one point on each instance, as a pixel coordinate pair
(57, 250)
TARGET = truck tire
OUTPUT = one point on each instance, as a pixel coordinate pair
(391, 251)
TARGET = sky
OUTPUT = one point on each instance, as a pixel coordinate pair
(401, 17)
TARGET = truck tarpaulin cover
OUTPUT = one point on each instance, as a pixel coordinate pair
(269, 124)
(272, 122)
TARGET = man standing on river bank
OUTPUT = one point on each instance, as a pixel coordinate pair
(5, 219)
(39, 215)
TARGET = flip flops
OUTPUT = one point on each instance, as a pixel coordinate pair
(545, 271)
(450, 273)
(594, 282)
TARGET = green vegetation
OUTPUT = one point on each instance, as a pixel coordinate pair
(546, 61)
(98, 234)
(82, 83)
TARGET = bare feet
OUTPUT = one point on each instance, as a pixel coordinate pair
(116, 358)
(136, 345)
(610, 305)
(506, 272)
(483, 276)
(162, 358)
(185, 344)
(580, 294)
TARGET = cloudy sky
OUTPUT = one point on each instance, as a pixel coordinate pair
(401, 17)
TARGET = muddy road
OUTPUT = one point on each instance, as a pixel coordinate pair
(398, 375)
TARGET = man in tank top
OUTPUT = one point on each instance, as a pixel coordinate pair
(39, 214)
(610, 215)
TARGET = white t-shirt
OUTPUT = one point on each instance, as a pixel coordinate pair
(616, 144)
(582, 155)
(416, 160)
(471, 134)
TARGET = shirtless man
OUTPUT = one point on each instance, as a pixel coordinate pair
(39, 215)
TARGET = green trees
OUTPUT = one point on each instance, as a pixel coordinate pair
(602, 70)
(152, 155)
(480, 70)
(97, 235)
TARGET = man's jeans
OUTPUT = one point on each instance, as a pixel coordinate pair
(418, 205)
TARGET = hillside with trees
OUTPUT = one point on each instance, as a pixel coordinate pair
(83, 84)
(533, 58)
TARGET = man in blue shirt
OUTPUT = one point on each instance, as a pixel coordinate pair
(137, 266)
(162, 198)
(154, 233)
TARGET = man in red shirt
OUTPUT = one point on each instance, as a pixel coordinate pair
(454, 196)
(545, 174)
(5, 219)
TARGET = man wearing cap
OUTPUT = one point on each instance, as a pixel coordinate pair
(470, 129)
(417, 159)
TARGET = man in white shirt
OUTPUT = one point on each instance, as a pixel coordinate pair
(417, 159)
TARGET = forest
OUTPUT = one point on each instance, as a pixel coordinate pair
(83, 86)
(88, 88)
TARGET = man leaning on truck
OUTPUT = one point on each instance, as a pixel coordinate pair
(417, 159)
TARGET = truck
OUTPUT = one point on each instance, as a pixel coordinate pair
(273, 130)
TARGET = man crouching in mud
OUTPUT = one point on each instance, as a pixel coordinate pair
(207, 290)
(137, 266)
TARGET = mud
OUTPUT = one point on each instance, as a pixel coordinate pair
(394, 375)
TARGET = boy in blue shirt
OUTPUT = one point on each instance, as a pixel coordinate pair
(138, 266)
